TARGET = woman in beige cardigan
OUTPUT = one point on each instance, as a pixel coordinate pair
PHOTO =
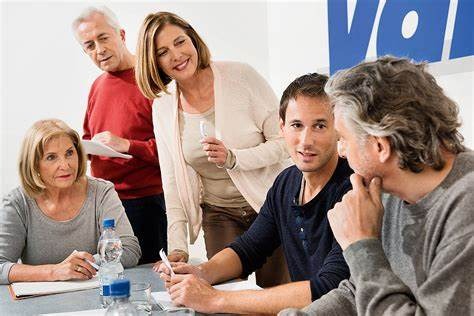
(216, 125)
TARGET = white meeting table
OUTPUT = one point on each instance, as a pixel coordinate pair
(74, 301)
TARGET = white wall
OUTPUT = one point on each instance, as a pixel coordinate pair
(298, 41)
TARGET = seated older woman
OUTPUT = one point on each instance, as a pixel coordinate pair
(56, 211)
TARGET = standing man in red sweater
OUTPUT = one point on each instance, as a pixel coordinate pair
(119, 116)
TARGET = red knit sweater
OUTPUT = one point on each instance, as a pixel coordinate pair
(116, 105)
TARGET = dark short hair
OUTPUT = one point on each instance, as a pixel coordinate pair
(309, 85)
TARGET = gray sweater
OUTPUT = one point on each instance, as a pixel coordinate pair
(26, 233)
(424, 264)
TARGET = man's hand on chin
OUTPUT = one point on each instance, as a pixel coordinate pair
(359, 215)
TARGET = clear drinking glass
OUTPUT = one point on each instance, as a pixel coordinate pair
(140, 296)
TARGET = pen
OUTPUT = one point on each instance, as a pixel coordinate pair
(94, 265)
(166, 261)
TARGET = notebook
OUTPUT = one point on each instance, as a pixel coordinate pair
(91, 312)
(21, 290)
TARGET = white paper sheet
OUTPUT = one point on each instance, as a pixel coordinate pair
(91, 312)
(164, 300)
(42, 288)
(95, 148)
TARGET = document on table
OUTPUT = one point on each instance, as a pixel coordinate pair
(20, 290)
(91, 312)
(92, 147)
(164, 300)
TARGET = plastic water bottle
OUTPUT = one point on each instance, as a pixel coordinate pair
(120, 292)
(110, 251)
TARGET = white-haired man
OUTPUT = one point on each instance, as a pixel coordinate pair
(119, 116)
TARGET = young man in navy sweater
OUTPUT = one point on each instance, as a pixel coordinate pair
(294, 215)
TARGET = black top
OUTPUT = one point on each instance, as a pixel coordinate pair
(311, 251)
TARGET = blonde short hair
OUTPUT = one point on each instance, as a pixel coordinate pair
(32, 151)
(150, 79)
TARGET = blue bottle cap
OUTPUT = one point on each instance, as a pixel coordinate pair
(108, 222)
(106, 290)
(120, 288)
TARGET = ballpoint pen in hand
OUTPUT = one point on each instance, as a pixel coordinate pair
(166, 261)
(95, 264)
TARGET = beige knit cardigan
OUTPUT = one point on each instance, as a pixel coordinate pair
(246, 120)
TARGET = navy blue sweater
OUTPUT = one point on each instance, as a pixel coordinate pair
(311, 251)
